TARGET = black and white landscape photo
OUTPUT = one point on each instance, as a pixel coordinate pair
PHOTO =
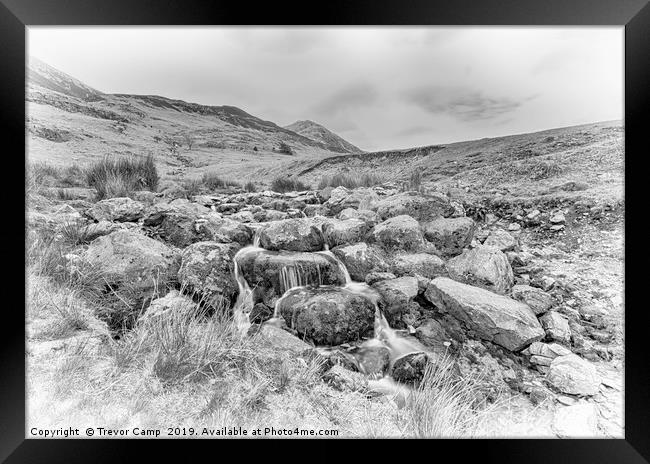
(325, 232)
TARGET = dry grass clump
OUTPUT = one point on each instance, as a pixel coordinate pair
(250, 187)
(212, 181)
(287, 184)
(350, 181)
(119, 177)
(444, 405)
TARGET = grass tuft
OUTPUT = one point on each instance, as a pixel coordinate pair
(122, 176)
(286, 184)
(350, 181)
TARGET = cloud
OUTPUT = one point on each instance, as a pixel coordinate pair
(352, 96)
(415, 130)
(460, 102)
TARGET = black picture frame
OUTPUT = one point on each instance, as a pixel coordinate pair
(16, 15)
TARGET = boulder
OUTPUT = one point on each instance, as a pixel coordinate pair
(482, 266)
(299, 234)
(327, 315)
(342, 198)
(370, 217)
(398, 233)
(410, 368)
(277, 339)
(116, 210)
(502, 240)
(396, 294)
(573, 375)
(418, 264)
(537, 299)
(361, 259)
(128, 257)
(214, 228)
(375, 277)
(498, 319)
(433, 334)
(450, 235)
(422, 207)
(271, 273)
(173, 302)
(207, 270)
(556, 326)
(344, 232)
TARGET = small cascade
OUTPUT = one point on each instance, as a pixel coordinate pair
(344, 270)
(294, 277)
(244, 303)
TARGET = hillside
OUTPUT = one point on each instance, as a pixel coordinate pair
(69, 121)
(526, 165)
(321, 134)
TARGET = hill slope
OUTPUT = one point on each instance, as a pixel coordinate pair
(321, 134)
(69, 121)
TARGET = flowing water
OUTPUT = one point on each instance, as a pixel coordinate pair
(294, 276)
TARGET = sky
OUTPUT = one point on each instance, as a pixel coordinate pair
(377, 87)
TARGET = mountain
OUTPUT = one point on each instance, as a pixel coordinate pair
(44, 75)
(69, 120)
(323, 135)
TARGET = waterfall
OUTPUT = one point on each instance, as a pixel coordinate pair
(293, 277)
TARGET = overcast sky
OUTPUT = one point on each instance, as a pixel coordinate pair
(379, 88)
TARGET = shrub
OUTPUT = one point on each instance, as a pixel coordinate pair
(285, 148)
(122, 176)
(286, 184)
(350, 181)
(212, 181)
(414, 183)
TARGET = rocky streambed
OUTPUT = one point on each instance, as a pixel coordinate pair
(381, 283)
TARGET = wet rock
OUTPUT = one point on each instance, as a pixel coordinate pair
(418, 264)
(422, 207)
(264, 270)
(573, 375)
(375, 277)
(556, 326)
(410, 368)
(491, 317)
(577, 421)
(502, 240)
(396, 294)
(292, 235)
(482, 266)
(538, 300)
(433, 334)
(344, 380)
(260, 313)
(398, 233)
(116, 210)
(373, 359)
(128, 257)
(361, 259)
(345, 232)
(207, 269)
(327, 315)
(450, 235)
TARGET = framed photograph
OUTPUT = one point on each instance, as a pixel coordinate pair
(384, 221)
